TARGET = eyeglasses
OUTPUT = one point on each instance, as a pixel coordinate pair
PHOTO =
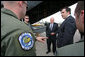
(26, 5)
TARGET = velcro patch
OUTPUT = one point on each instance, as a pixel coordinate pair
(26, 41)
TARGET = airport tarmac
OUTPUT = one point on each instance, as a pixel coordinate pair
(42, 48)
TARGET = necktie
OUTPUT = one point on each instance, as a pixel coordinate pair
(51, 26)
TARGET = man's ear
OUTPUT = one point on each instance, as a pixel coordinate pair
(82, 16)
(20, 3)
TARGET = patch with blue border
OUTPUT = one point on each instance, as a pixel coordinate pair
(26, 41)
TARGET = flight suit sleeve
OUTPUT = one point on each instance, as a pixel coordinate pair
(20, 44)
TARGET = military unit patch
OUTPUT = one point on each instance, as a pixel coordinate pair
(26, 41)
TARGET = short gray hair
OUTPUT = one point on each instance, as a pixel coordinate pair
(8, 2)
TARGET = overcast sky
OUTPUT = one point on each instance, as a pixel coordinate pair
(57, 16)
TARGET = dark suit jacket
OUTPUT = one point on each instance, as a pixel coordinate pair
(49, 31)
(66, 32)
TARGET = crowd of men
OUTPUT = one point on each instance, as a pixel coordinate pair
(18, 39)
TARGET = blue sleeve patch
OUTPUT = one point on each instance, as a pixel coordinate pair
(26, 41)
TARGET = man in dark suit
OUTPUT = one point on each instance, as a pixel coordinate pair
(67, 28)
(51, 31)
(76, 49)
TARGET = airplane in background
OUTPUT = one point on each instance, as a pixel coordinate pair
(42, 9)
(38, 10)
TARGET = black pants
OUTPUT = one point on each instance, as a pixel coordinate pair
(53, 41)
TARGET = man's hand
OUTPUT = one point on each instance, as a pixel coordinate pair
(41, 39)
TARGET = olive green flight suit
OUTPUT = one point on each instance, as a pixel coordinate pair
(13, 32)
(76, 49)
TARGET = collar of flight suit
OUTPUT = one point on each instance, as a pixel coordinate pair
(9, 12)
